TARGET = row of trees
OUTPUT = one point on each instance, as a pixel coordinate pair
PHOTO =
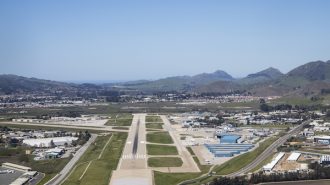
(318, 172)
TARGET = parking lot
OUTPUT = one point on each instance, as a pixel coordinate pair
(8, 178)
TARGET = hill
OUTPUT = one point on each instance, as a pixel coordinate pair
(181, 83)
(306, 80)
(262, 76)
(13, 84)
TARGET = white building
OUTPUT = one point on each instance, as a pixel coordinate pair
(46, 142)
(294, 156)
(269, 167)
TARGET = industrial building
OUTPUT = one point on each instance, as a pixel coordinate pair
(294, 156)
(16, 167)
(269, 167)
(322, 140)
(325, 159)
(225, 138)
(228, 150)
(47, 142)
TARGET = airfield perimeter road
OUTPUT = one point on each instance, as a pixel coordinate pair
(101, 128)
(66, 170)
(268, 152)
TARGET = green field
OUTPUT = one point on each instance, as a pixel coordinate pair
(100, 169)
(121, 128)
(175, 178)
(153, 119)
(159, 137)
(161, 150)
(154, 125)
(165, 162)
(120, 120)
(263, 163)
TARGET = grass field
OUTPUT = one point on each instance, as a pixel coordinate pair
(161, 150)
(120, 120)
(121, 128)
(175, 178)
(154, 125)
(279, 126)
(159, 137)
(190, 150)
(263, 163)
(165, 162)
(153, 119)
(240, 161)
(100, 169)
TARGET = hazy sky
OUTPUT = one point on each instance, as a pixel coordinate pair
(125, 40)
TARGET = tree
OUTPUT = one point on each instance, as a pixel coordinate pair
(265, 108)
(52, 144)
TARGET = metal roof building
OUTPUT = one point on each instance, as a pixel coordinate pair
(46, 142)
(294, 156)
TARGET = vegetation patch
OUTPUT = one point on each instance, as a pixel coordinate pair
(154, 125)
(100, 169)
(153, 119)
(120, 120)
(190, 150)
(161, 150)
(176, 178)
(165, 162)
(121, 128)
(159, 137)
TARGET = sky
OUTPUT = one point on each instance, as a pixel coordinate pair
(85, 40)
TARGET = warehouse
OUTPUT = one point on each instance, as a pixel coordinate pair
(269, 167)
(325, 159)
(294, 156)
(16, 167)
(322, 140)
(48, 142)
(228, 150)
(229, 138)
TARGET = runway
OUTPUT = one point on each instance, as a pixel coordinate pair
(132, 168)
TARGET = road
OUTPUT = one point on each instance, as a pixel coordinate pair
(102, 128)
(189, 164)
(66, 170)
(269, 151)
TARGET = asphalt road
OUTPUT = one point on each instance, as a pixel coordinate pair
(66, 170)
(268, 152)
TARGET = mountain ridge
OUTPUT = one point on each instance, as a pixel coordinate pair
(309, 78)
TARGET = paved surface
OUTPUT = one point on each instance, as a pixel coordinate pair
(102, 128)
(66, 170)
(189, 165)
(132, 168)
(8, 178)
(268, 152)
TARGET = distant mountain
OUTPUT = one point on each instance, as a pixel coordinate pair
(181, 83)
(305, 80)
(13, 84)
(262, 76)
(312, 71)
